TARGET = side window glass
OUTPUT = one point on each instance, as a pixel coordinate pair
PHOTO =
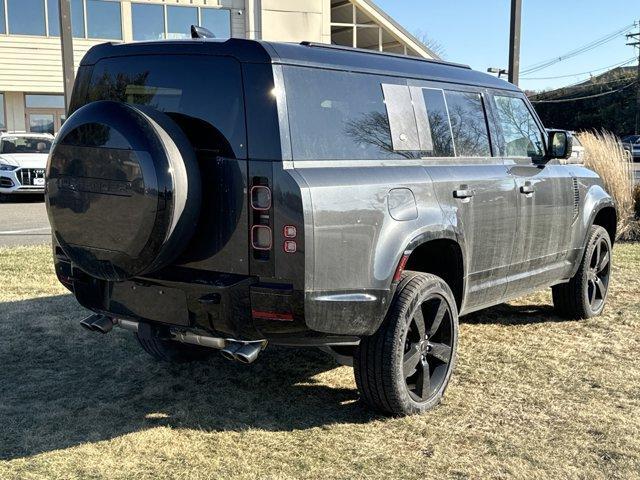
(522, 137)
(468, 123)
(341, 115)
(433, 122)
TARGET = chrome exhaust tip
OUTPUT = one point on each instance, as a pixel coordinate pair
(102, 324)
(97, 323)
(248, 353)
(229, 352)
(87, 323)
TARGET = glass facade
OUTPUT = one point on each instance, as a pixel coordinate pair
(77, 18)
(217, 20)
(179, 21)
(104, 19)
(26, 17)
(3, 124)
(149, 21)
(2, 19)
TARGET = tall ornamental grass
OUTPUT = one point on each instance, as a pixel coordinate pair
(605, 155)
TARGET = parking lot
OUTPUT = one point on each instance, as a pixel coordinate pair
(24, 221)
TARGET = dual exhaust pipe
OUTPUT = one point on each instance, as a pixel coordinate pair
(239, 351)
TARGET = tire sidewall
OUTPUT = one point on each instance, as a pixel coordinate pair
(401, 314)
(597, 233)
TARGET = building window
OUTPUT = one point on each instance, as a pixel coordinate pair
(155, 22)
(3, 124)
(217, 20)
(77, 18)
(44, 101)
(3, 21)
(103, 19)
(352, 27)
(26, 17)
(148, 21)
(179, 21)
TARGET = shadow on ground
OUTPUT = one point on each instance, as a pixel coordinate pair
(507, 314)
(61, 385)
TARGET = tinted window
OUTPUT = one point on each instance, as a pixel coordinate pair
(216, 20)
(77, 18)
(26, 17)
(202, 94)
(522, 137)
(148, 21)
(2, 121)
(25, 145)
(468, 124)
(338, 115)
(438, 123)
(179, 21)
(103, 19)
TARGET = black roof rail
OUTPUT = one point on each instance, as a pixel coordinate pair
(385, 54)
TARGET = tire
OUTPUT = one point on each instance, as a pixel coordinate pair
(585, 295)
(163, 350)
(386, 380)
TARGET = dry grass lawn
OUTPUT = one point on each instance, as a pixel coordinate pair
(532, 397)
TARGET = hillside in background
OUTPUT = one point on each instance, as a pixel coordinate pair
(611, 105)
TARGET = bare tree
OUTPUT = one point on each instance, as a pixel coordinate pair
(432, 44)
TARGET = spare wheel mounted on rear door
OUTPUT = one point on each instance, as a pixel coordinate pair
(123, 190)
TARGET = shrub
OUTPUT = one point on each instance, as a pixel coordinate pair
(636, 200)
(605, 155)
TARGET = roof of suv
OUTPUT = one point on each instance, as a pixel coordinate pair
(306, 54)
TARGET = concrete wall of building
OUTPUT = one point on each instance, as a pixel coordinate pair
(296, 20)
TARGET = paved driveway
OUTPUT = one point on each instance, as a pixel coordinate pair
(23, 221)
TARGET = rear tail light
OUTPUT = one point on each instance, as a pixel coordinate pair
(401, 265)
(289, 231)
(261, 237)
(260, 198)
(290, 246)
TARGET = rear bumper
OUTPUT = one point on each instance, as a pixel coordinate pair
(229, 306)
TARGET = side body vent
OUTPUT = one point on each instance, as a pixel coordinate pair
(576, 199)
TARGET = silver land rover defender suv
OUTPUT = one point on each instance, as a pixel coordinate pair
(232, 194)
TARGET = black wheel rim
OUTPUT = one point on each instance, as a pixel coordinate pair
(598, 275)
(428, 348)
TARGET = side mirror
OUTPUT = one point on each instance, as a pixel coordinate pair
(560, 144)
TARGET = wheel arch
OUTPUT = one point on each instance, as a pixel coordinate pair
(441, 256)
(599, 209)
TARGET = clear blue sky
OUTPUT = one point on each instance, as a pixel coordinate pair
(476, 32)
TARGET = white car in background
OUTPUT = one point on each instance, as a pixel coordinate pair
(23, 158)
(577, 150)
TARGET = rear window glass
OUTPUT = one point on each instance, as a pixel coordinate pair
(24, 145)
(338, 115)
(469, 124)
(203, 94)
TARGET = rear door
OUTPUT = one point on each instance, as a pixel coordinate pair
(203, 95)
(473, 186)
(545, 197)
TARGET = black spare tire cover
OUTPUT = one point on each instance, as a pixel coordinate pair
(123, 190)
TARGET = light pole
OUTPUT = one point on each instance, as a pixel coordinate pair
(66, 44)
(499, 71)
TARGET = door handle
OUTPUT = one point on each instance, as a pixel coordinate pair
(463, 193)
(527, 189)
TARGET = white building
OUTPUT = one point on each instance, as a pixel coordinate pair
(30, 60)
